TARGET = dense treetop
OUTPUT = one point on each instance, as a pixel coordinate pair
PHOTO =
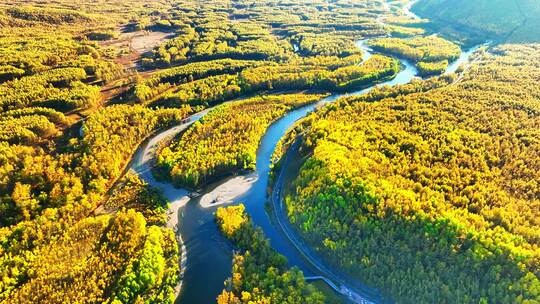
(431, 193)
(226, 140)
(259, 273)
(431, 53)
(438, 173)
(65, 141)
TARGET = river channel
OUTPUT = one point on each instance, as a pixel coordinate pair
(209, 254)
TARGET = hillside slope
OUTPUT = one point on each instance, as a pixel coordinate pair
(506, 20)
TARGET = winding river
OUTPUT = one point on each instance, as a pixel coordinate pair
(209, 254)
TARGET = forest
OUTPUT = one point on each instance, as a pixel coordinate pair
(420, 191)
(428, 192)
(55, 247)
(431, 54)
(259, 274)
(76, 102)
(513, 21)
(226, 140)
(215, 89)
(48, 196)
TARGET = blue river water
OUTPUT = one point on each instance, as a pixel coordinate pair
(209, 254)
